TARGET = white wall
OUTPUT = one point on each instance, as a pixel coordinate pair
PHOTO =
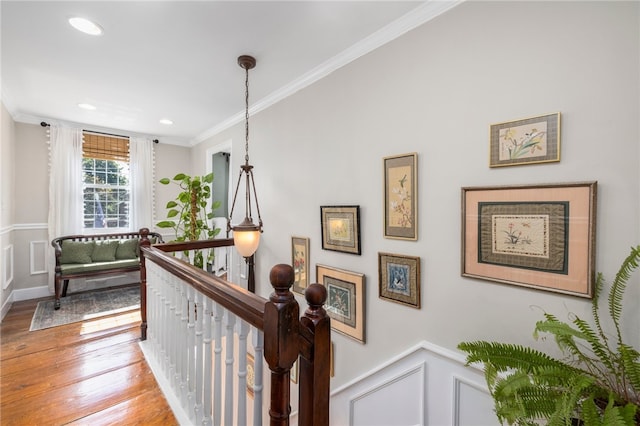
(435, 91)
(7, 209)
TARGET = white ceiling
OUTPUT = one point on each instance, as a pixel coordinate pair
(178, 59)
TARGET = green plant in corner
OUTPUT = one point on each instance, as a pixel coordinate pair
(188, 214)
(598, 383)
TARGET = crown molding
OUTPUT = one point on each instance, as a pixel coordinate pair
(418, 16)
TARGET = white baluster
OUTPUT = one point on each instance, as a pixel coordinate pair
(243, 331)
(190, 353)
(228, 387)
(206, 343)
(217, 365)
(166, 321)
(173, 316)
(258, 348)
(200, 314)
(182, 339)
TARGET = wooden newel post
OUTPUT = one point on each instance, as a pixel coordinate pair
(144, 242)
(281, 325)
(315, 370)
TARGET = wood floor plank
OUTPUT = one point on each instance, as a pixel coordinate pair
(135, 408)
(71, 366)
(89, 373)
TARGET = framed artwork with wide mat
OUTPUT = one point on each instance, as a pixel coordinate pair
(538, 236)
(345, 300)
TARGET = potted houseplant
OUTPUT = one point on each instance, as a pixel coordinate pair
(189, 213)
(597, 383)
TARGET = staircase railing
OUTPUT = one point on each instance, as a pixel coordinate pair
(190, 317)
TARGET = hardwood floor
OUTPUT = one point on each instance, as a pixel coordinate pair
(90, 373)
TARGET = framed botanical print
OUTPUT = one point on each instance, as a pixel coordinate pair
(300, 263)
(525, 141)
(340, 228)
(345, 300)
(400, 197)
(538, 236)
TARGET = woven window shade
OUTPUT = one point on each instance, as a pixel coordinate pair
(105, 147)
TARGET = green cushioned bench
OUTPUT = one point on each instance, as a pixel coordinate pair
(81, 256)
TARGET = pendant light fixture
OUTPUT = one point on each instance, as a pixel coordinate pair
(246, 235)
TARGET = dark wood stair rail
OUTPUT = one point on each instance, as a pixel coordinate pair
(286, 334)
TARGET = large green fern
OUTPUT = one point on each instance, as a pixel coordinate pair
(597, 384)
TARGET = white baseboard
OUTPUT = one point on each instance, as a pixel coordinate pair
(30, 293)
(23, 294)
(6, 306)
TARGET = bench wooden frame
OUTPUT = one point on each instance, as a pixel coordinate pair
(143, 235)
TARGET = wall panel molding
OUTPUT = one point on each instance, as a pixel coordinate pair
(38, 257)
(7, 262)
(30, 226)
(424, 385)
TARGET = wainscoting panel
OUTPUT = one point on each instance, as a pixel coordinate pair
(470, 403)
(403, 398)
(7, 262)
(425, 385)
(38, 257)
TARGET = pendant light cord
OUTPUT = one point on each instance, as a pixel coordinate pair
(246, 116)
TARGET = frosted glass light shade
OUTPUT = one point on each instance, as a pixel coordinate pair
(246, 237)
(246, 241)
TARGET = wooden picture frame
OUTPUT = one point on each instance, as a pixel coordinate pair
(251, 374)
(526, 141)
(401, 196)
(340, 228)
(293, 373)
(537, 236)
(300, 263)
(345, 300)
(399, 279)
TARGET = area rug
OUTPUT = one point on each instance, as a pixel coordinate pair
(84, 306)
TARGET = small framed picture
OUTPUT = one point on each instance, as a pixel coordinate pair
(251, 374)
(526, 141)
(401, 197)
(293, 374)
(340, 228)
(300, 263)
(332, 362)
(538, 236)
(345, 300)
(399, 279)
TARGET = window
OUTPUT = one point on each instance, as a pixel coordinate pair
(106, 181)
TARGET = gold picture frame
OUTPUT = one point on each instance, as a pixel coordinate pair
(537, 236)
(251, 374)
(293, 373)
(530, 140)
(340, 228)
(401, 196)
(300, 263)
(399, 279)
(345, 300)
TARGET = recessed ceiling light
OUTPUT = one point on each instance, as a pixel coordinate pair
(87, 107)
(166, 121)
(85, 25)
